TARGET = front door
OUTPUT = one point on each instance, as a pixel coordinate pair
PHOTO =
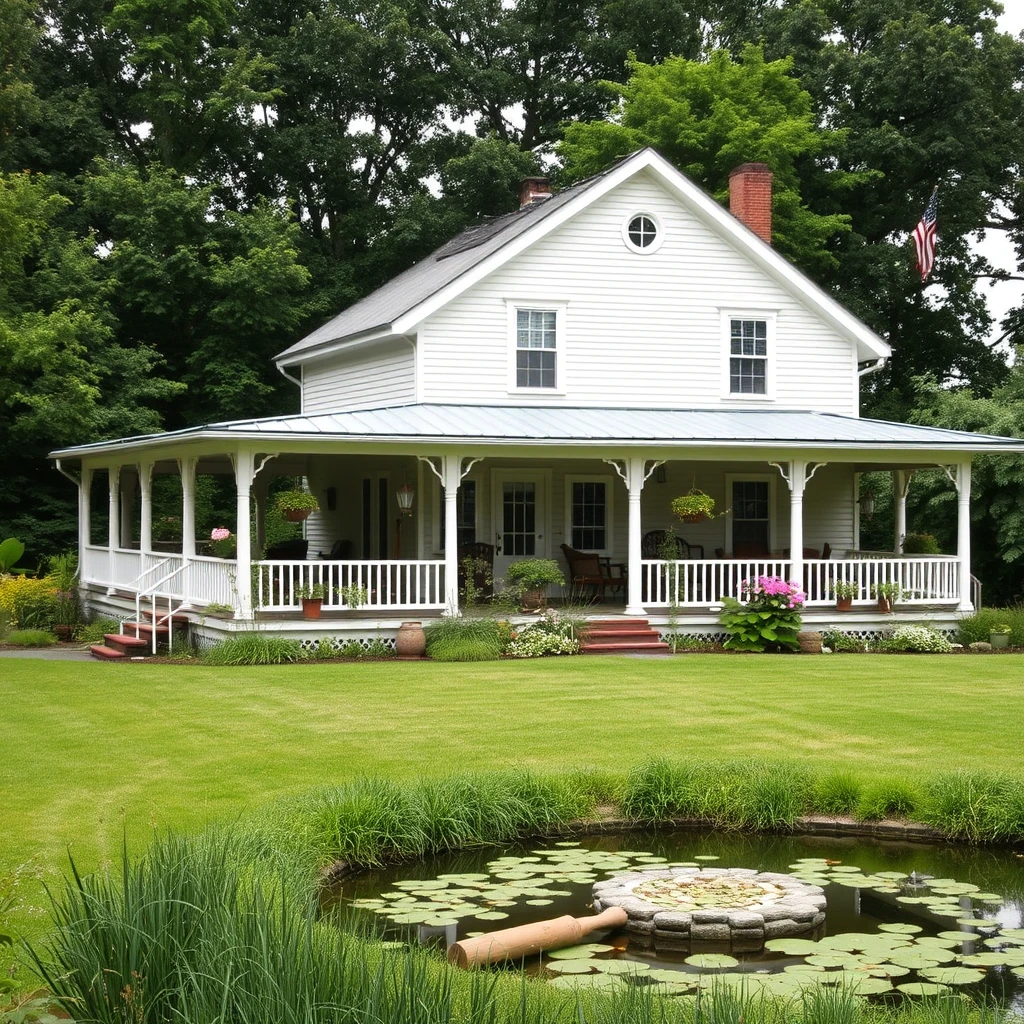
(520, 515)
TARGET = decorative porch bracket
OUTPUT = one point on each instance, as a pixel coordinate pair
(959, 475)
(797, 474)
(450, 470)
(246, 472)
(635, 472)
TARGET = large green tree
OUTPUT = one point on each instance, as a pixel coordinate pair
(709, 116)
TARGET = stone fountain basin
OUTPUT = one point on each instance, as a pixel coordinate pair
(785, 906)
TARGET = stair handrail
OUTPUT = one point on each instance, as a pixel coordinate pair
(152, 591)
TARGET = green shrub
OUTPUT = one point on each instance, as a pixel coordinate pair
(466, 639)
(94, 632)
(30, 638)
(836, 793)
(914, 639)
(976, 628)
(842, 643)
(921, 544)
(377, 648)
(887, 798)
(253, 648)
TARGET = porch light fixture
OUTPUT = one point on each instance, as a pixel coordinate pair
(405, 495)
(867, 503)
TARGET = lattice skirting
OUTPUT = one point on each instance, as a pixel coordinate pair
(867, 635)
(338, 642)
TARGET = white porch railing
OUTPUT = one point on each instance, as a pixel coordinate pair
(127, 565)
(697, 583)
(95, 567)
(211, 580)
(394, 584)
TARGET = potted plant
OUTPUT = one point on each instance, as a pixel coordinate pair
(222, 542)
(693, 507)
(920, 544)
(312, 597)
(999, 636)
(66, 613)
(532, 577)
(887, 594)
(845, 591)
(296, 505)
(353, 595)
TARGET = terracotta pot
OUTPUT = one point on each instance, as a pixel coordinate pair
(844, 604)
(411, 641)
(311, 607)
(995, 639)
(885, 604)
(531, 600)
(297, 515)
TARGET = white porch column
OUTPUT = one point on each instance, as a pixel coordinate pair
(451, 478)
(634, 472)
(244, 474)
(187, 471)
(146, 511)
(797, 483)
(113, 532)
(127, 493)
(84, 518)
(963, 532)
(900, 488)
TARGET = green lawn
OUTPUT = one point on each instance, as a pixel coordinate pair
(92, 750)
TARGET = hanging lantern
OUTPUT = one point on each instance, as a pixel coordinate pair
(867, 503)
(405, 495)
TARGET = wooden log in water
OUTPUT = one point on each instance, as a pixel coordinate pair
(528, 939)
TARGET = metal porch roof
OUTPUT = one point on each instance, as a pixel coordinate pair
(585, 426)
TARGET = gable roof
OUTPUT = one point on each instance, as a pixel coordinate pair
(398, 306)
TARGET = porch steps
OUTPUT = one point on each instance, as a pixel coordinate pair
(623, 636)
(127, 645)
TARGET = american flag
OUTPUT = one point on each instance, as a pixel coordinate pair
(924, 236)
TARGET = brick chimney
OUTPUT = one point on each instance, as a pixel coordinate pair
(533, 190)
(750, 198)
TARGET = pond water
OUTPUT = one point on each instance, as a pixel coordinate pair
(925, 917)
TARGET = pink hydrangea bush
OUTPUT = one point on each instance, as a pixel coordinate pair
(768, 617)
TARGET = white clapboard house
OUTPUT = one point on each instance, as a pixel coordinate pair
(546, 383)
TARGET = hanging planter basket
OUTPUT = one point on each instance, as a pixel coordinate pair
(693, 507)
(296, 505)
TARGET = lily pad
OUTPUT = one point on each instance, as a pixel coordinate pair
(978, 922)
(620, 966)
(952, 975)
(792, 947)
(576, 966)
(869, 986)
(575, 952)
(538, 903)
(961, 936)
(921, 961)
(900, 929)
(714, 961)
(491, 915)
(1005, 958)
(828, 960)
(601, 982)
(707, 856)
(922, 988)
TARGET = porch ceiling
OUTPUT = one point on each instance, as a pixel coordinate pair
(599, 427)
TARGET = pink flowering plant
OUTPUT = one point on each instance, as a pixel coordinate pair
(768, 617)
(222, 543)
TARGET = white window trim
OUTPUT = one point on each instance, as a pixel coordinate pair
(773, 512)
(437, 539)
(561, 362)
(769, 316)
(609, 509)
(659, 238)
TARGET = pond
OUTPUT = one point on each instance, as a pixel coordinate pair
(900, 918)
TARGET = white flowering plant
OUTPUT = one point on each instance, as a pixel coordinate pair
(539, 643)
(918, 639)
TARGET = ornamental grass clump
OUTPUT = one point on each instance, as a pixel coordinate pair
(768, 618)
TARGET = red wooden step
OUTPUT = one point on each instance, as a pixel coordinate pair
(105, 653)
(653, 647)
(124, 642)
(618, 623)
(605, 636)
(180, 620)
(145, 629)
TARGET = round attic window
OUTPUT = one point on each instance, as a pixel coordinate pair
(642, 233)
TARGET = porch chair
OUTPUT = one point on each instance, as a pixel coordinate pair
(750, 549)
(653, 540)
(589, 569)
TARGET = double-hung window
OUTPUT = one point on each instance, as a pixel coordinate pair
(536, 348)
(748, 357)
(589, 513)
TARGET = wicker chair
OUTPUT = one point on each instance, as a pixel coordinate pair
(589, 569)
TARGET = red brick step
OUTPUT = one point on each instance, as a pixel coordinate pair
(105, 653)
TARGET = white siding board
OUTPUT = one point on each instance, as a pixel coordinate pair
(381, 375)
(641, 330)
